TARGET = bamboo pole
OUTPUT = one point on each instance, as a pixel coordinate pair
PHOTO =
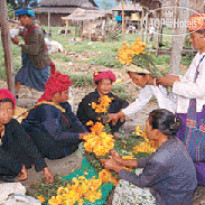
(6, 42)
(123, 21)
(49, 22)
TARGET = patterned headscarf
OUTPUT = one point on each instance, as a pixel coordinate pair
(5, 94)
(97, 76)
(196, 22)
(56, 83)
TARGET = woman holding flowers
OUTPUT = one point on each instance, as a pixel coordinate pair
(51, 123)
(143, 78)
(17, 150)
(86, 109)
(169, 172)
(191, 87)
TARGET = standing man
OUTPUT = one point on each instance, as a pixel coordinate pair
(35, 68)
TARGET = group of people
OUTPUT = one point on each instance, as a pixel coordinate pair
(51, 129)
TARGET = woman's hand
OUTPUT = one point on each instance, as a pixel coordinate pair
(115, 117)
(168, 80)
(48, 175)
(116, 156)
(82, 135)
(15, 40)
(111, 164)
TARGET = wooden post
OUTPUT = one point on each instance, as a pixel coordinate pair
(158, 33)
(146, 27)
(49, 21)
(123, 21)
(141, 25)
(6, 42)
(66, 27)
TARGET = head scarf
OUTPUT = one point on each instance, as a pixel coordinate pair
(22, 12)
(136, 69)
(104, 75)
(56, 83)
(196, 22)
(5, 94)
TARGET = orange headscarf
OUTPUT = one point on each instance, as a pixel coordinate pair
(56, 83)
(196, 22)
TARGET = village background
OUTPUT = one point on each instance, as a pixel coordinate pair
(90, 37)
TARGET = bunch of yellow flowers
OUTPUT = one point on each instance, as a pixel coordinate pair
(146, 146)
(98, 142)
(106, 176)
(127, 52)
(82, 189)
(102, 105)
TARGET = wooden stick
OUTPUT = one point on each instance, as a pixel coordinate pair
(6, 42)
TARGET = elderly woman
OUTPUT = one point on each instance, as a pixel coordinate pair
(35, 68)
(51, 123)
(17, 150)
(142, 78)
(169, 172)
(192, 86)
(103, 82)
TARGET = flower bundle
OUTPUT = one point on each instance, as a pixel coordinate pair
(145, 146)
(136, 54)
(82, 189)
(98, 142)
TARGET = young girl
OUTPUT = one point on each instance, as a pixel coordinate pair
(169, 172)
(17, 151)
(103, 81)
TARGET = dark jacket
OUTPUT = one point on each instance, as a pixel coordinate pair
(55, 133)
(169, 172)
(85, 112)
(18, 145)
(36, 49)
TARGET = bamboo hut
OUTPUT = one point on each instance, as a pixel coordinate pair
(53, 10)
(91, 22)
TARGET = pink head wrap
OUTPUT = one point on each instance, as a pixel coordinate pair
(104, 75)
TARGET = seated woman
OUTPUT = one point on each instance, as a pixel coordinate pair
(17, 150)
(142, 78)
(51, 124)
(103, 82)
(169, 172)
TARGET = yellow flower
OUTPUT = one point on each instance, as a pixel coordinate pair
(41, 199)
(89, 123)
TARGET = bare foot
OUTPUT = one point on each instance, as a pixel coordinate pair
(48, 175)
(24, 174)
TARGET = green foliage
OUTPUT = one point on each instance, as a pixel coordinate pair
(81, 80)
(108, 60)
(61, 57)
(186, 60)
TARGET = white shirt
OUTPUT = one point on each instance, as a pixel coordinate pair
(165, 100)
(186, 89)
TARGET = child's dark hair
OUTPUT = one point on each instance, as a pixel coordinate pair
(165, 121)
(7, 100)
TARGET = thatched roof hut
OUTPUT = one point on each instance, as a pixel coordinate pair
(59, 8)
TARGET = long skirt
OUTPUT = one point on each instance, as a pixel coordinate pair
(31, 76)
(200, 166)
(50, 148)
(128, 194)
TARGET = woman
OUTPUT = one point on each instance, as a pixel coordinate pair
(51, 123)
(142, 78)
(169, 172)
(191, 85)
(35, 69)
(17, 151)
(103, 82)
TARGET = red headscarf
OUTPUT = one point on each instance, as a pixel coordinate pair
(196, 22)
(5, 94)
(104, 75)
(56, 83)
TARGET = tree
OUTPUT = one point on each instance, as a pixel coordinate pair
(18, 4)
(106, 5)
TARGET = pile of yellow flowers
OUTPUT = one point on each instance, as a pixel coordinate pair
(106, 176)
(98, 142)
(146, 146)
(128, 52)
(82, 189)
